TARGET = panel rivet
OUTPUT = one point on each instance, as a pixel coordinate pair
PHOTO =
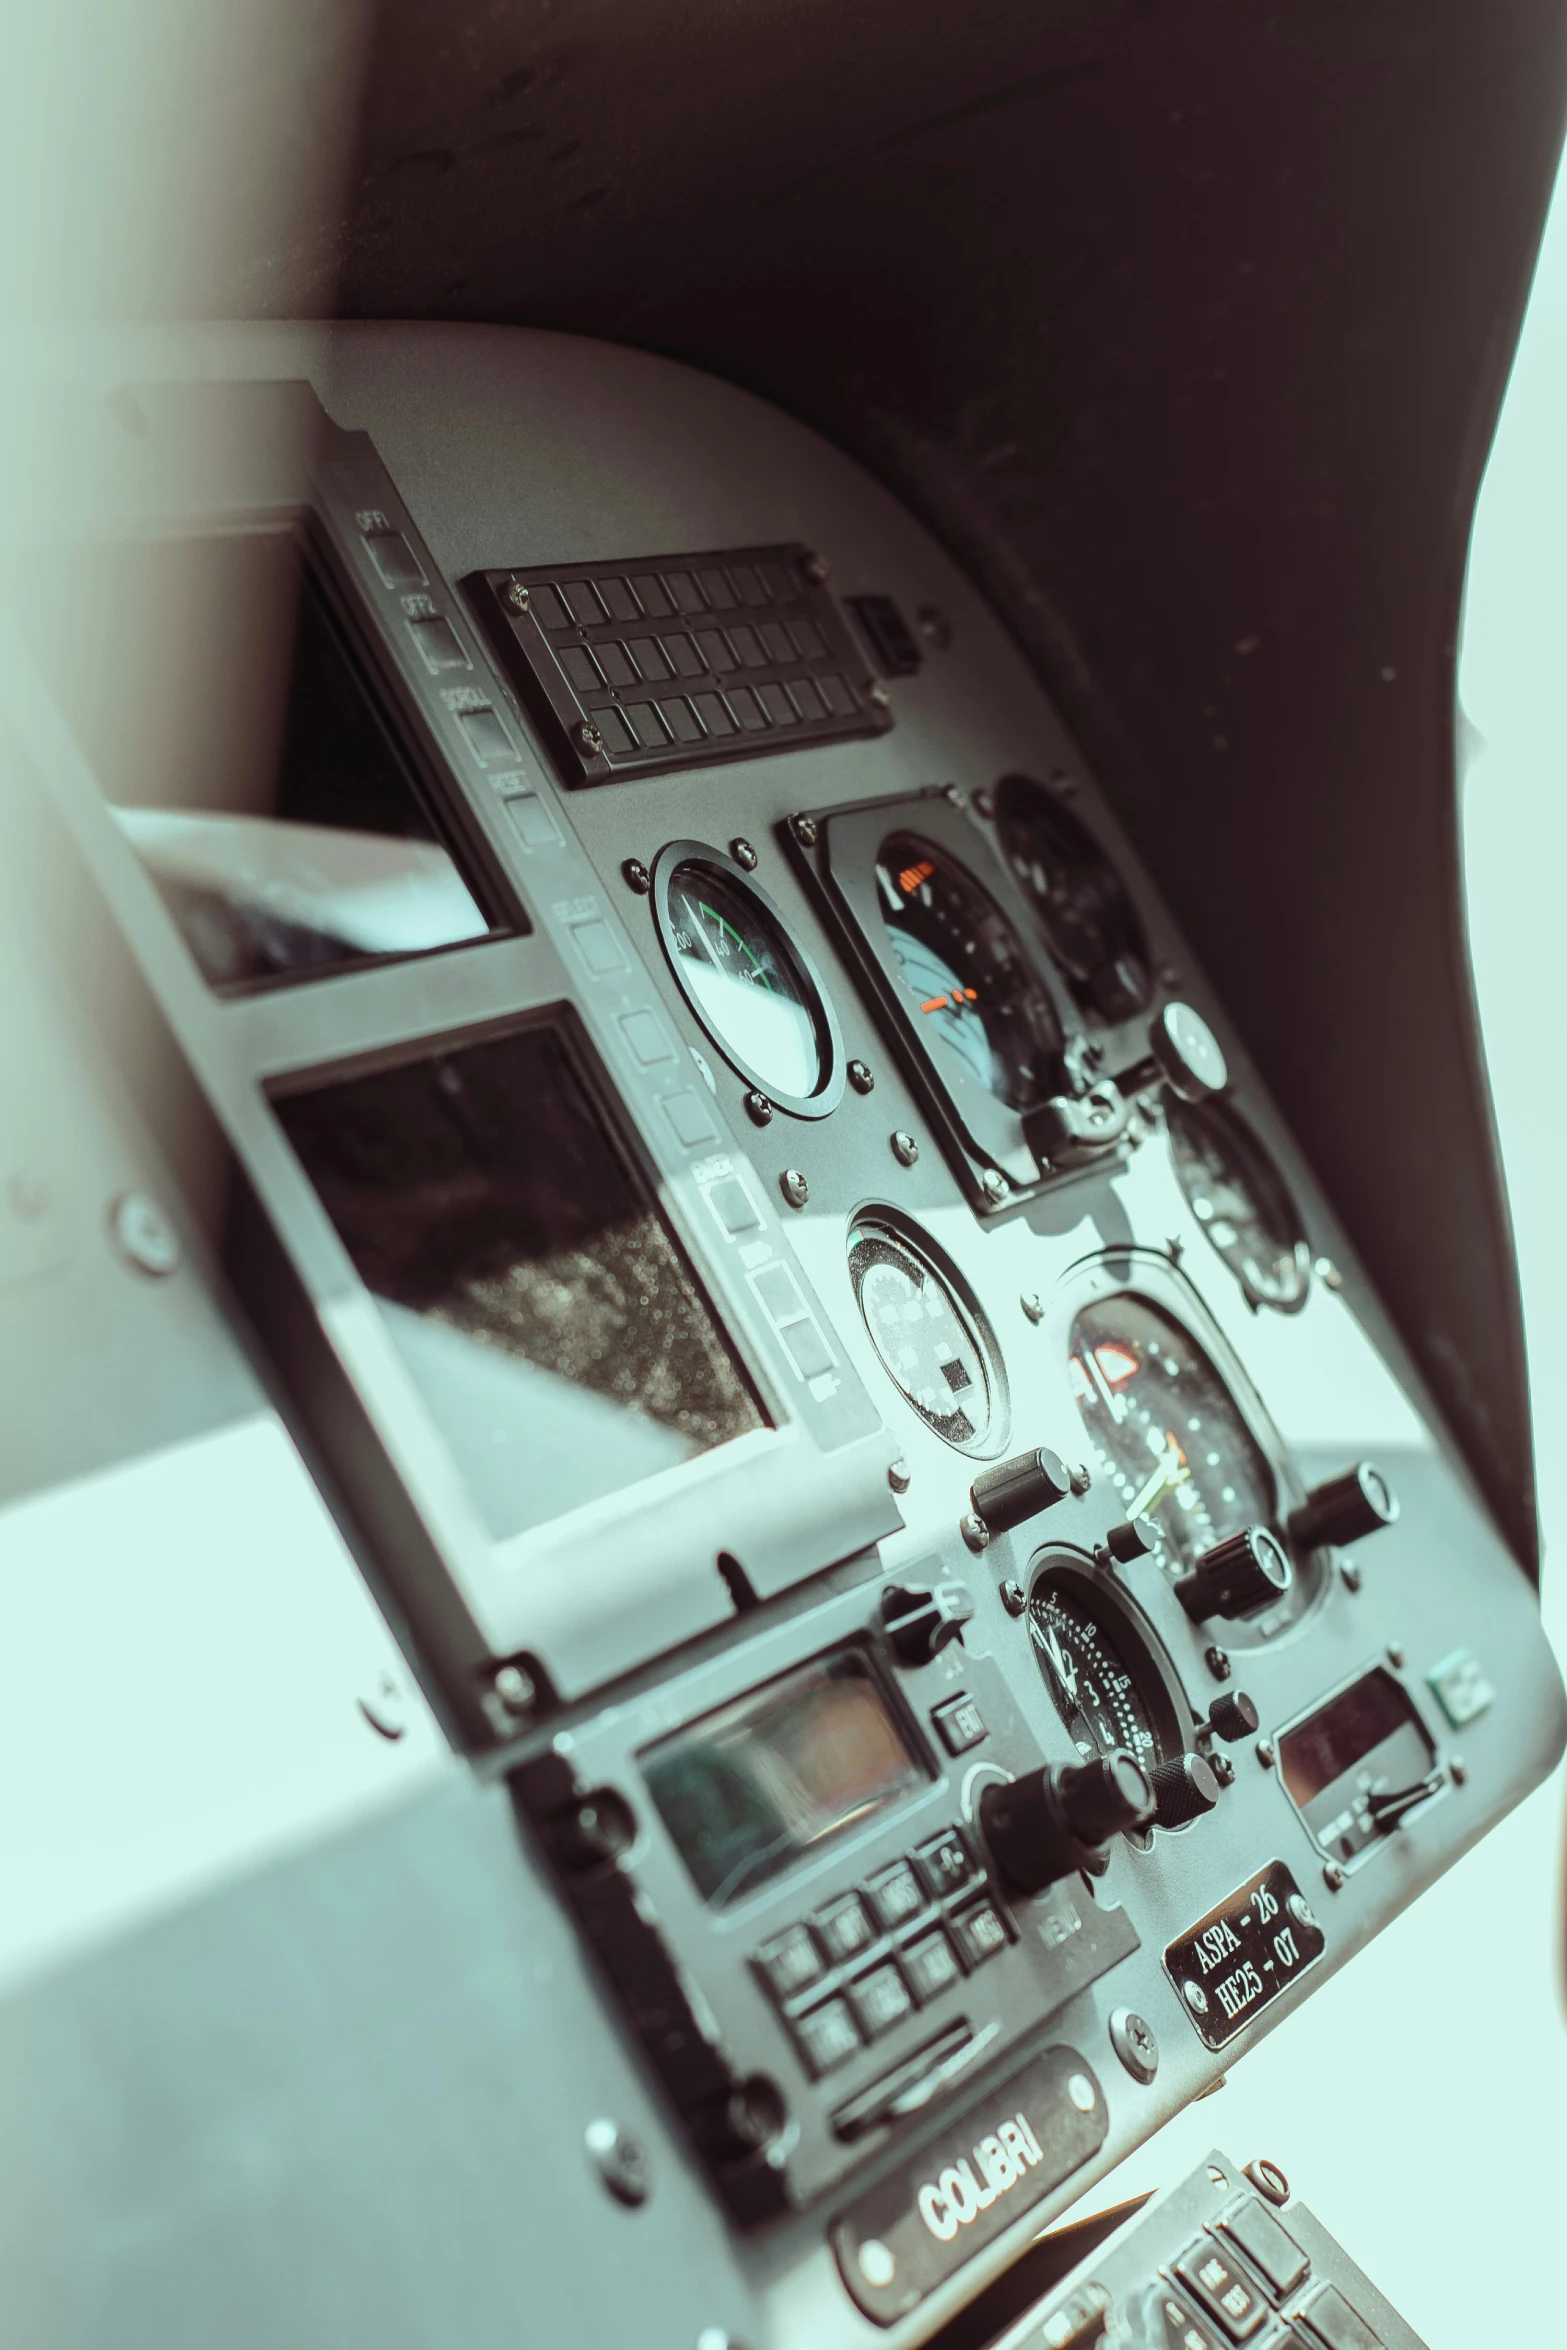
(876, 694)
(143, 1234)
(1268, 2179)
(758, 1108)
(1265, 1752)
(1350, 1574)
(589, 737)
(804, 830)
(1033, 1305)
(1333, 1877)
(1014, 1599)
(743, 854)
(620, 2161)
(813, 568)
(1458, 1770)
(1395, 1655)
(1218, 1663)
(904, 1148)
(985, 801)
(1133, 2041)
(517, 596)
(636, 876)
(860, 1077)
(794, 1187)
(994, 1185)
(974, 1531)
(900, 1476)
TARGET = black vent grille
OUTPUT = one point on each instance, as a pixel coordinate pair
(676, 660)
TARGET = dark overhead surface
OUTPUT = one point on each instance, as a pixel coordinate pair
(1185, 323)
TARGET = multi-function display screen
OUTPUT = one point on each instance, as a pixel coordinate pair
(1334, 1741)
(543, 1311)
(756, 1786)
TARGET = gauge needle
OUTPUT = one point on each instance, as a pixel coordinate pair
(1172, 1471)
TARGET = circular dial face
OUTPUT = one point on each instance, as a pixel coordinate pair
(929, 1345)
(1091, 1685)
(968, 972)
(1087, 916)
(739, 970)
(1241, 1203)
(1166, 1428)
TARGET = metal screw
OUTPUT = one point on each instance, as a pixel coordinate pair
(1395, 1655)
(794, 1187)
(636, 876)
(813, 568)
(953, 797)
(758, 1108)
(516, 1689)
(1175, 1249)
(1266, 1753)
(974, 1531)
(517, 596)
(899, 1476)
(1457, 1770)
(1350, 1575)
(1333, 1877)
(1268, 2180)
(1081, 1477)
(876, 694)
(1133, 2041)
(1195, 1997)
(1222, 1768)
(743, 854)
(904, 1148)
(1014, 1598)
(589, 737)
(1328, 1273)
(860, 1077)
(984, 801)
(143, 1234)
(1301, 1911)
(804, 830)
(1218, 1663)
(1033, 1305)
(620, 2161)
(994, 1185)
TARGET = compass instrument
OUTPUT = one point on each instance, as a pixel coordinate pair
(1084, 909)
(930, 1345)
(1166, 1427)
(1239, 1198)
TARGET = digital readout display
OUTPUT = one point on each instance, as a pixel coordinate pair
(751, 1789)
(1343, 1734)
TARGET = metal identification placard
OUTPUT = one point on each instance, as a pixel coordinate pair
(1237, 1960)
(985, 2170)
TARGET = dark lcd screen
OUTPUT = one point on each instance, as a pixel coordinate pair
(1342, 1735)
(543, 1311)
(277, 807)
(749, 1790)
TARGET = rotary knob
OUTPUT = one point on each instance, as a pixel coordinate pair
(1020, 1488)
(1237, 1577)
(1233, 1716)
(1345, 1509)
(1133, 1539)
(1055, 1820)
(1183, 1053)
(918, 1624)
(1184, 1789)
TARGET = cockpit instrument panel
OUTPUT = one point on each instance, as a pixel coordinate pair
(1242, 1203)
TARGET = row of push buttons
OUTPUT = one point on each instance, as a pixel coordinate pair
(1228, 2290)
(872, 2002)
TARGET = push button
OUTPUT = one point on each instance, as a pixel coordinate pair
(895, 1895)
(931, 1967)
(844, 1930)
(945, 1862)
(827, 2037)
(1218, 2284)
(959, 1724)
(1266, 2242)
(1329, 2319)
(980, 1933)
(1183, 2330)
(790, 1961)
(881, 2000)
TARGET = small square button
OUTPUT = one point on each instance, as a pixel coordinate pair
(808, 1349)
(931, 1966)
(827, 2037)
(1332, 2321)
(691, 1119)
(980, 1933)
(1184, 2331)
(881, 2000)
(945, 1862)
(960, 1724)
(533, 823)
(598, 946)
(1218, 2284)
(395, 560)
(439, 645)
(1266, 2242)
(896, 1895)
(487, 738)
(845, 1930)
(646, 1038)
(790, 1961)
(733, 1205)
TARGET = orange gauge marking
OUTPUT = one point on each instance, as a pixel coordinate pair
(937, 1003)
(1117, 1364)
(912, 875)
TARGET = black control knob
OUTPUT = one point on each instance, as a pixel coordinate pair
(1020, 1488)
(1133, 1539)
(1345, 1509)
(1237, 1576)
(1183, 1789)
(1183, 1053)
(919, 1624)
(1232, 1716)
(1053, 1821)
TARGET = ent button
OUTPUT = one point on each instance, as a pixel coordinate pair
(959, 1724)
(1219, 2285)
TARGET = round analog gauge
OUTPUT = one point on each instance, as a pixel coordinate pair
(749, 985)
(1101, 1697)
(1165, 1426)
(1088, 918)
(978, 996)
(1239, 1199)
(930, 1345)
